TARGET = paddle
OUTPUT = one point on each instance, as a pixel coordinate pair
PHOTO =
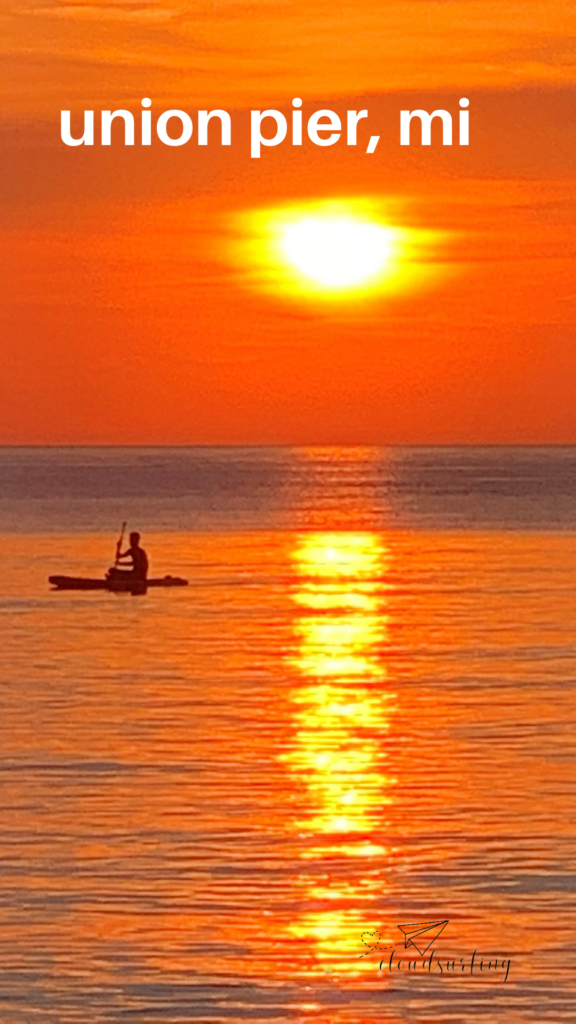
(119, 544)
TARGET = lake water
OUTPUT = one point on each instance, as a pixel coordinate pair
(358, 715)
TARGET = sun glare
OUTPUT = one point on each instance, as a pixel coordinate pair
(332, 250)
(337, 252)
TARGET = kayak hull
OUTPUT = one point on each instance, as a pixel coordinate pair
(114, 584)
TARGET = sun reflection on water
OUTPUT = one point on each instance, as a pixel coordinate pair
(342, 718)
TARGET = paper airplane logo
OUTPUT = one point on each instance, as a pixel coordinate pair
(425, 932)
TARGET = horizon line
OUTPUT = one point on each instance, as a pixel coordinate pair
(290, 446)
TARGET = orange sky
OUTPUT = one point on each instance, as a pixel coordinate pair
(127, 315)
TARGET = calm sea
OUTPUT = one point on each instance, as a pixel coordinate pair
(359, 715)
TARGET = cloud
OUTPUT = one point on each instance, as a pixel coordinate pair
(127, 11)
(223, 52)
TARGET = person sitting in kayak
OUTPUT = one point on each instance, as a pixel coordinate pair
(138, 556)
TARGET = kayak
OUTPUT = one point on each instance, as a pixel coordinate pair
(114, 583)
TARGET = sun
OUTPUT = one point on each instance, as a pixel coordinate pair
(337, 251)
(332, 251)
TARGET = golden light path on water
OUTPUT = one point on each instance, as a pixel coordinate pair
(342, 717)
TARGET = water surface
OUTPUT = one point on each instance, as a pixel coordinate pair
(359, 714)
